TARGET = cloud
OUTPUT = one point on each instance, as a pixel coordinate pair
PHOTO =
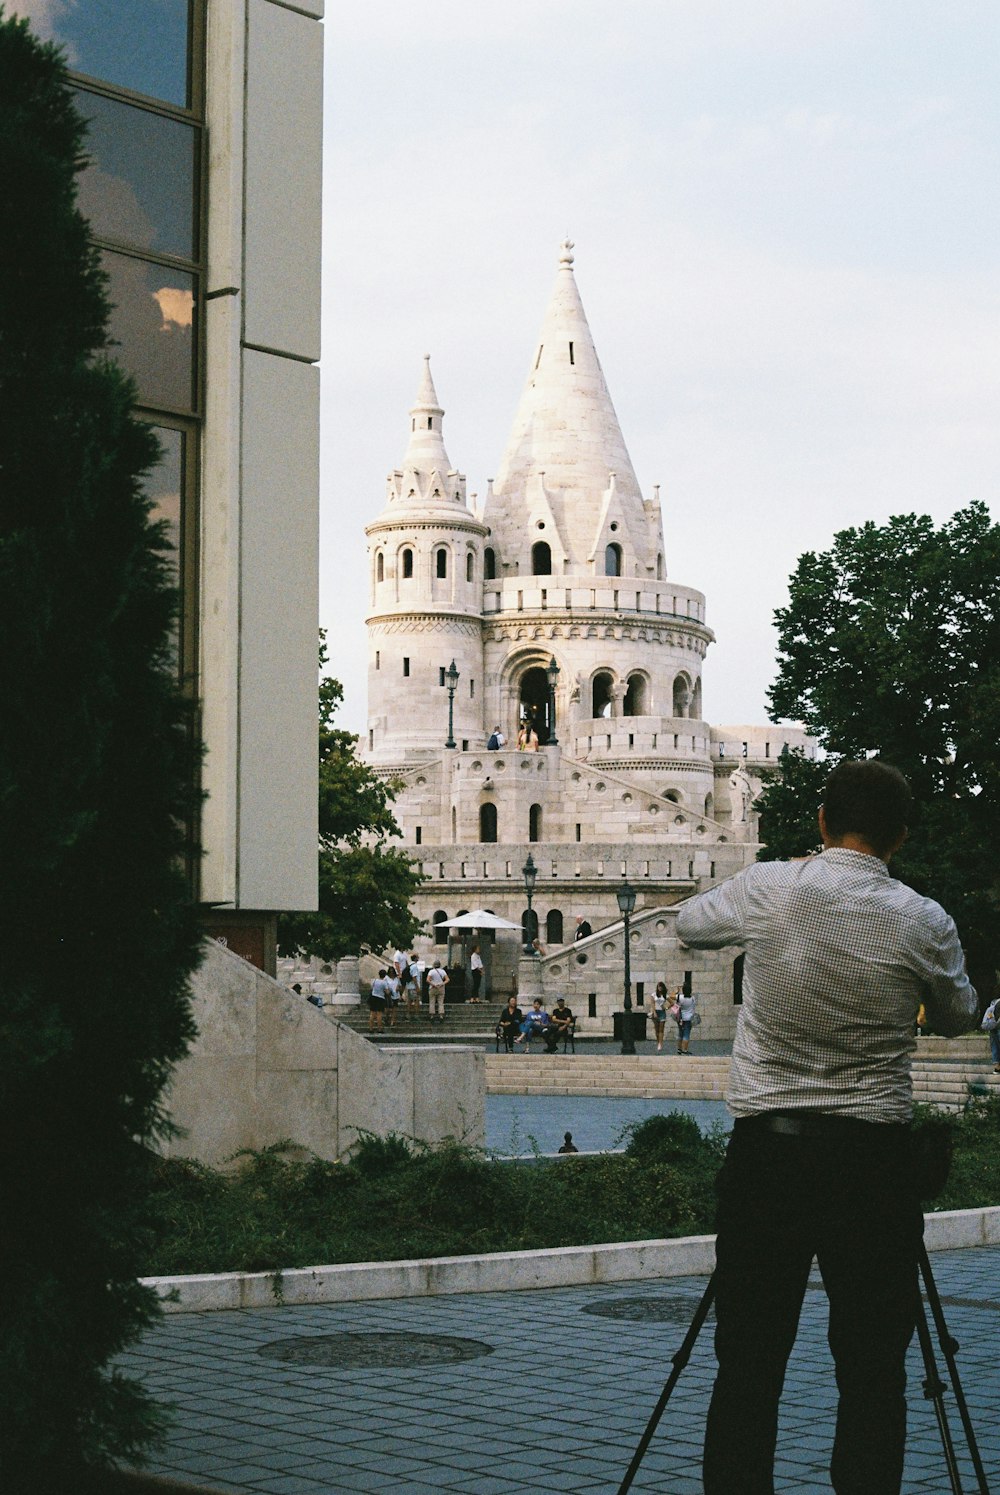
(176, 306)
(46, 18)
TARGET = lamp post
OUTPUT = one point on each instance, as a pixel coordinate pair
(626, 903)
(552, 674)
(530, 873)
(451, 680)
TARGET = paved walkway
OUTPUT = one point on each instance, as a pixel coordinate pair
(554, 1393)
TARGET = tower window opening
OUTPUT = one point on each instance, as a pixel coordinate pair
(378, 659)
(441, 563)
(578, 830)
(541, 559)
(554, 926)
(418, 835)
(571, 358)
(380, 567)
(430, 423)
(371, 738)
(602, 694)
(407, 564)
(472, 690)
(488, 823)
(634, 703)
(406, 665)
(468, 566)
(440, 674)
(613, 560)
(489, 564)
(535, 823)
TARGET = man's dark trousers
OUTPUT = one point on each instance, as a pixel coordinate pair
(844, 1192)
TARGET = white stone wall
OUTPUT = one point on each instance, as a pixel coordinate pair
(267, 1067)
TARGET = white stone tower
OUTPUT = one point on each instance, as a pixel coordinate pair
(426, 588)
(576, 573)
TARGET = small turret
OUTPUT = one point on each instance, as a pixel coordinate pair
(426, 590)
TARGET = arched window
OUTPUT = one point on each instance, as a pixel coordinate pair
(407, 564)
(682, 696)
(469, 565)
(613, 560)
(529, 926)
(709, 806)
(535, 823)
(380, 567)
(696, 700)
(441, 562)
(554, 927)
(634, 703)
(488, 823)
(489, 564)
(672, 795)
(541, 559)
(440, 933)
(602, 694)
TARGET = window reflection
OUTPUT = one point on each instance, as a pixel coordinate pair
(141, 45)
(163, 485)
(139, 187)
(152, 326)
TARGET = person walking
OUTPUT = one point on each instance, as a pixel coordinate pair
(839, 956)
(583, 929)
(496, 740)
(376, 1004)
(659, 1014)
(437, 980)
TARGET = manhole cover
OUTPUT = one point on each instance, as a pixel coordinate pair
(367, 1351)
(651, 1308)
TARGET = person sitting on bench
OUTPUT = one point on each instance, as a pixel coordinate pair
(562, 1025)
(535, 1025)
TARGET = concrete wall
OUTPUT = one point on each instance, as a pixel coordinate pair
(267, 1066)
(258, 561)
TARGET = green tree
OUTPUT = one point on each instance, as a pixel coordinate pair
(890, 645)
(365, 886)
(97, 935)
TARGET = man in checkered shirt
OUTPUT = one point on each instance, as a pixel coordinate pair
(839, 955)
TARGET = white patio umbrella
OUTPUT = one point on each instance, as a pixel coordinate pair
(480, 918)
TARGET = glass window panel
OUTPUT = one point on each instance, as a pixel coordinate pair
(152, 327)
(138, 44)
(140, 185)
(164, 488)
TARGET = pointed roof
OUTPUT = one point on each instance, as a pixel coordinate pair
(566, 425)
(426, 452)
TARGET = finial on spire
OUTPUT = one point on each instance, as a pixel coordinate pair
(566, 252)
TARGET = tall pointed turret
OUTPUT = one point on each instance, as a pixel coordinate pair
(566, 469)
(426, 476)
(426, 581)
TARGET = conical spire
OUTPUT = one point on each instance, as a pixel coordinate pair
(426, 476)
(566, 428)
(426, 451)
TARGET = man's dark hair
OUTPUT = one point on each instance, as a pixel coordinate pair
(870, 798)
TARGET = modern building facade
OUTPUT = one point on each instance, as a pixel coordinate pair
(203, 192)
(549, 612)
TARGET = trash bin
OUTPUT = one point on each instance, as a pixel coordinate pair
(638, 1029)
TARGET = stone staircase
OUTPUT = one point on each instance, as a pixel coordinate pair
(464, 1021)
(670, 1077)
(649, 1076)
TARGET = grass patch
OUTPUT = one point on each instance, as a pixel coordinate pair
(399, 1199)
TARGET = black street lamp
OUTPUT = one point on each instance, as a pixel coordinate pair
(626, 896)
(552, 674)
(530, 873)
(451, 680)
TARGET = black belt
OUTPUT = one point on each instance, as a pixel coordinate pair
(817, 1124)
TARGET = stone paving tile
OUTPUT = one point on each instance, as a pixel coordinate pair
(245, 1423)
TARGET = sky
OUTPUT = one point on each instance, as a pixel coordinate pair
(787, 236)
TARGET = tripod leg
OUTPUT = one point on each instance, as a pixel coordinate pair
(934, 1389)
(679, 1360)
(949, 1346)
